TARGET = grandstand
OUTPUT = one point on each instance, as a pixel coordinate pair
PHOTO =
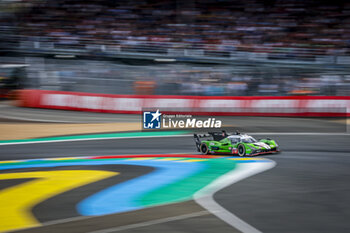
(253, 47)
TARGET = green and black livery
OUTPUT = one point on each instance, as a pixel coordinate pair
(234, 144)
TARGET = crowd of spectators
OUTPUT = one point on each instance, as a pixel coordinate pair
(293, 27)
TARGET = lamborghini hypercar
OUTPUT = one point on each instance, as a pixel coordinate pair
(234, 144)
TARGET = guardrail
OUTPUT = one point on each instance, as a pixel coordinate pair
(295, 106)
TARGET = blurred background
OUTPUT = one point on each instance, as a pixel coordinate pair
(179, 47)
(182, 47)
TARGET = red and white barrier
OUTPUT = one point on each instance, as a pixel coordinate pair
(326, 106)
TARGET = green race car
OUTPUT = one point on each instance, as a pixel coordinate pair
(234, 144)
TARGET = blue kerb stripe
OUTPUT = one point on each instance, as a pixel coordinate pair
(124, 197)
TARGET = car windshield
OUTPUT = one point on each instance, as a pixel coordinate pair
(234, 140)
(249, 140)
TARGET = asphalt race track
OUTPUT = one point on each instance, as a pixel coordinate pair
(307, 191)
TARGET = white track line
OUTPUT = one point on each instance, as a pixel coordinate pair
(204, 197)
(92, 139)
(180, 135)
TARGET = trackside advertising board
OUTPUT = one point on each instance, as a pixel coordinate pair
(313, 106)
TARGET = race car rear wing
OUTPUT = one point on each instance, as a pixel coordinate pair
(215, 136)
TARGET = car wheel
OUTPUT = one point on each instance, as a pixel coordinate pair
(204, 149)
(241, 150)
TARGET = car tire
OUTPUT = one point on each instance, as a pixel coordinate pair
(204, 149)
(241, 150)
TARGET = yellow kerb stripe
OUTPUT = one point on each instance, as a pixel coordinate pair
(16, 202)
(245, 159)
(192, 160)
(142, 158)
(10, 161)
(66, 158)
(168, 159)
